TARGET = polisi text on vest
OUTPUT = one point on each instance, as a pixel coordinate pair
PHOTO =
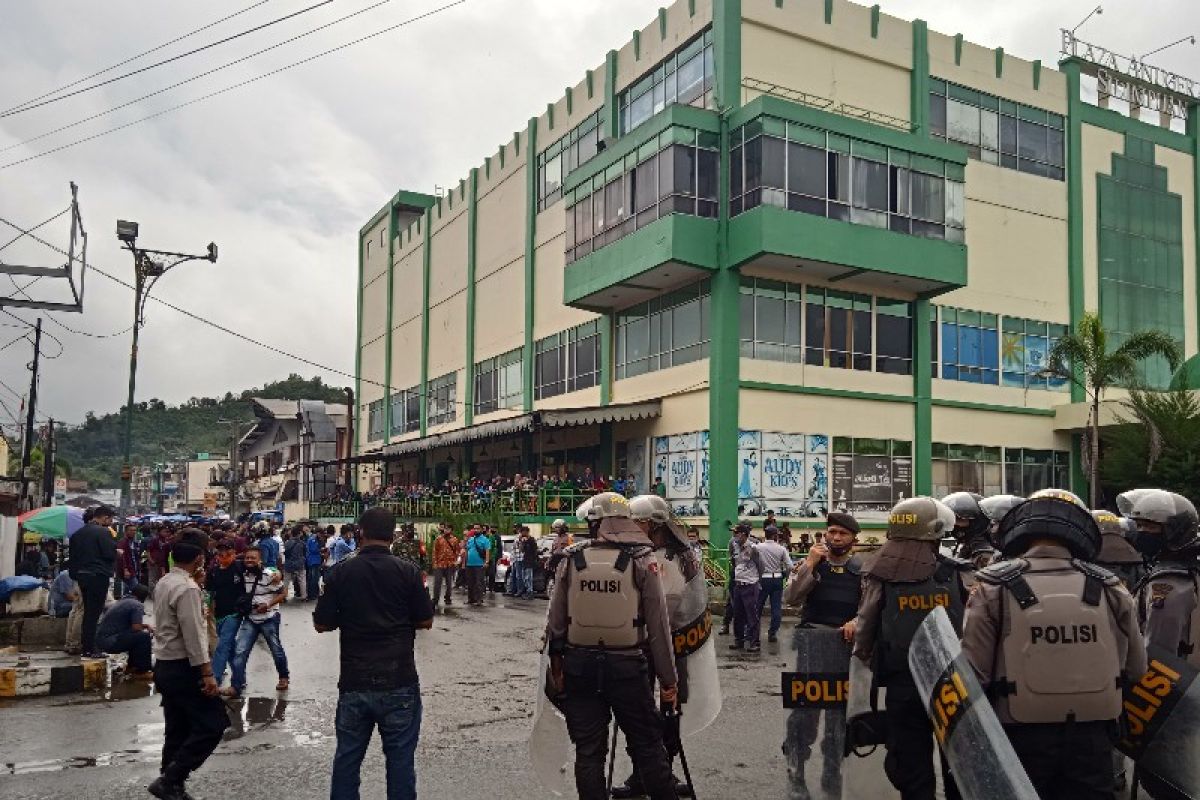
(1063, 634)
(605, 587)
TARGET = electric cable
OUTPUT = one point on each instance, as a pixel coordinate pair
(238, 85)
(156, 64)
(142, 54)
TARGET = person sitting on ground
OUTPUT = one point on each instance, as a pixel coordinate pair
(122, 630)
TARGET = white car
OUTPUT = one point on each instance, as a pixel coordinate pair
(506, 545)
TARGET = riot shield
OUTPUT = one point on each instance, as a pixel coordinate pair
(982, 760)
(815, 694)
(695, 650)
(1162, 727)
(550, 749)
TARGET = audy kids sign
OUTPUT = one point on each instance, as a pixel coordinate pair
(1140, 84)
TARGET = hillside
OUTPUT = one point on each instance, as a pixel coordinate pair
(162, 432)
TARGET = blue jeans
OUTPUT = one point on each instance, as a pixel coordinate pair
(313, 575)
(247, 635)
(771, 588)
(525, 576)
(397, 712)
(227, 628)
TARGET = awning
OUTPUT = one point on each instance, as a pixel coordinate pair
(572, 417)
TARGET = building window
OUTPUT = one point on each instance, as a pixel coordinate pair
(771, 320)
(998, 131)
(441, 401)
(970, 346)
(1024, 353)
(1028, 471)
(870, 475)
(838, 329)
(375, 420)
(685, 76)
(567, 361)
(406, 411)
(966, 468)
(498, 382)
(676, 173)
(664, 332)
(559, 159)
(792, 166)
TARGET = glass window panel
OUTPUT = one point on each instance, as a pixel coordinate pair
(955, 204)
(736, 183)
(691, 79)
(684, 170)
(900, 191)
(752, 154)
(645, 184)
(806, 170)
(708, 171)
(928, 199)
(870, 185)
(774, 160)
(989, 130)
(962, 122)
(1032, 141)
(770, 319)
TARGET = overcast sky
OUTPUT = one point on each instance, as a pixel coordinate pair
(282, 173)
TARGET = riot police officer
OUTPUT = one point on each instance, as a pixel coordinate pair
(971, 526)
(828, 582)
(1117, 554)
(607, 628)
(1167, 594)
(908, 578)
(1053, 639)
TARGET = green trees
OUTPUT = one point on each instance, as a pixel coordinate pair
(1083, 357)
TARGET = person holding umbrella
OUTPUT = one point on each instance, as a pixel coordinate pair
(92, 556)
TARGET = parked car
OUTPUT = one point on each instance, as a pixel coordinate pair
(506, 543)
(539, 569)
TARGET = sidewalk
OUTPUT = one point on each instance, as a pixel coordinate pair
(52, 672)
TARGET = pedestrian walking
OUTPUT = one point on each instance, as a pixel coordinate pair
(477, 547)
(602, 647)
(122, 629)
(157, 551)
(195, 717)
(312, 565)
(746, 574)
(445, 562)
(129, 552)
(265, 590)
(529, 557)
(92, 558)
(775, 562)
(294, 575)
(376, 602)
(494, 552)
(226, 587)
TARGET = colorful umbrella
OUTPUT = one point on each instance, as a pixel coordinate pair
(56, 522)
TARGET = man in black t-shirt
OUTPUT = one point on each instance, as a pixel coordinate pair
(377, 602)
(225, 586)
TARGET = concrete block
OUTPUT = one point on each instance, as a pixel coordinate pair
(45, 631)
(30, 602)
(10, 632)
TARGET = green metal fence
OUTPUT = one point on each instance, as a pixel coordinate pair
(523, 505)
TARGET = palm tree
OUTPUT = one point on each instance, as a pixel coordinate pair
(1083, 358)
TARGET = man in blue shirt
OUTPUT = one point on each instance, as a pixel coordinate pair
(477, 557)
(63, 594)
(341, 546)
(312, 565)
(268, 546)
(121, 630)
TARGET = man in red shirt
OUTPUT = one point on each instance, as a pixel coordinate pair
(157, 551)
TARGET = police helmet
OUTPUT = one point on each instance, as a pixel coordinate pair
(965, 506)
(1173, 511)
(1127, 500)
(650, 507)
(606, 505)
(1050, 514)
(996, 506)
(558, 525)
(921, 518)
(584, 511)
(1109, 523)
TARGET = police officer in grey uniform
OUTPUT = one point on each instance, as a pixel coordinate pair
(1054, 640)
(607, 628)
(1168, 595)
(907, 580)
(828, 583)
(1117, 554)
(971, 527)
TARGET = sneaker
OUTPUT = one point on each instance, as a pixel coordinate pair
(630, 789)
(724, 630)
(737, 646)
(772, 638)
(753, 647)
(163, 790)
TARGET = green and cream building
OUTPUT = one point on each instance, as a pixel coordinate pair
(783, 254)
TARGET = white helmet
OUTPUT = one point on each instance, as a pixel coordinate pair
(650, 507)
(558, 525)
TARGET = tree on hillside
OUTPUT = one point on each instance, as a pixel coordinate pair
(1083, 357)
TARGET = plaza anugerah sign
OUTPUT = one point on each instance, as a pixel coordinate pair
(1138, 83)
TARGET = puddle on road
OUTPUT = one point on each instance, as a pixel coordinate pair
(246, 716)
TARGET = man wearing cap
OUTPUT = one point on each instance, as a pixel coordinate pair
(828, 583)
(607, 628)
(775, 562)
(746, 573)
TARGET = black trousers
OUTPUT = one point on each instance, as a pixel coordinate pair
(909, 761)
(1066, 761)
(93, 589)
(616, 687)
(194, 722)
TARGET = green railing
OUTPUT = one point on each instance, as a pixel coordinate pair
(543, 503)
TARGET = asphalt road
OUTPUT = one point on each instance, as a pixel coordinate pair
(477, 669)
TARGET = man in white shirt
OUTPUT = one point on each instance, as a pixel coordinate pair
(266, 591)
(775, 562)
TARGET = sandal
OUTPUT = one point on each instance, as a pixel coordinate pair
(282, 686)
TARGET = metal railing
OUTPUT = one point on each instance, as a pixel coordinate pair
(555, 502)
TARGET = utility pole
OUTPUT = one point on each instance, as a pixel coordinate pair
(49, 457)
(232, 475)
(146, 272)
(350, 438)
(27, 446)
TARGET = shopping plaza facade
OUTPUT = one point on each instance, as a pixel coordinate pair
(783, 255)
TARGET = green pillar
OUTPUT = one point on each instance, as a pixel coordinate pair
(531, 202)
(1075, 290)
(358, 422)
(1193, 130)
(727, 50)
(606, 358)
(387, 343)
(425, 264)
(612, 115)
(922, 345)
(472, 206)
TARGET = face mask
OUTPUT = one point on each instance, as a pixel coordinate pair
(1148, 544)
(839, 550)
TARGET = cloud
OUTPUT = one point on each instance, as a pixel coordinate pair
(283, 172)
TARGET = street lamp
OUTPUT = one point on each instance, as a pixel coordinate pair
(146, 272)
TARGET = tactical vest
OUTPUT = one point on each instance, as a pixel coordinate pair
(603, 604)
(672, 583)
(905, 606)
(1059, 645)
(834, 600)
(1186, 649)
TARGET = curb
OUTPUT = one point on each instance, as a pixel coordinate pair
(32, 675)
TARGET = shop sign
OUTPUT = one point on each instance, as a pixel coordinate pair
(1128, 78)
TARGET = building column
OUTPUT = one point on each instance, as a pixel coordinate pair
(531, 212)
(922, 458)
(472, 225)
(425, 264)
(1075, 245)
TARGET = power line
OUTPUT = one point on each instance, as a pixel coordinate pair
(234, 86)
(149, 67)
(69, 329)
(62, 347)
(139, 55)
(177, 84)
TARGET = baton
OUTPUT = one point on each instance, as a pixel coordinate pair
(671, 715)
